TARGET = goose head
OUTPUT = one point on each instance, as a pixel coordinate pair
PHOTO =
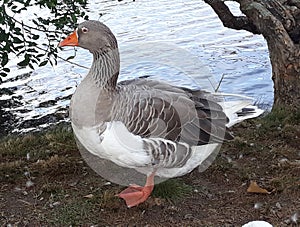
(93, 36)
(101, 42)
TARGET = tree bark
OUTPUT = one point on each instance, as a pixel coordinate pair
(279, 22)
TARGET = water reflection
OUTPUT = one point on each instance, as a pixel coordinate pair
(34, 99)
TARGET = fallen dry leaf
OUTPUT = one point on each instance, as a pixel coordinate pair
(254, 188)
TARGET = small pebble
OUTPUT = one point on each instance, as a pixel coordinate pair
(89, 196)
(229, 160)
(257, 205)
(278, 205)
(56, 204)
(29, 184)
(283, 160)
(52, 205)
(73, 184)
(17, 189)
(295, 217)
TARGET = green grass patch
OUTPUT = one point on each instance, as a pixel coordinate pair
(74, 213)
(172, 189)
(280, 117)
(37, 145)
(47, 149)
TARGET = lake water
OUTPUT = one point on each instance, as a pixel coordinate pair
(182, 42)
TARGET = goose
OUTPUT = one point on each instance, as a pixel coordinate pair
(143, 124)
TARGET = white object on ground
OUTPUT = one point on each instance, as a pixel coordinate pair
(258, 224)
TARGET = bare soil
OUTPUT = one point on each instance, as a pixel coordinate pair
(45, 182)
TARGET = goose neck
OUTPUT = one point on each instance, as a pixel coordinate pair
(105, 69)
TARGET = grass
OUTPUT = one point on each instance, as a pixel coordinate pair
(278, 118)
(54, 163)
(38, 145)
(73, 213)
(172, 189)
(80, 209)
(45, 149)
(60, 175)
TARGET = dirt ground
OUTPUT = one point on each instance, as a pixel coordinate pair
(45, 182)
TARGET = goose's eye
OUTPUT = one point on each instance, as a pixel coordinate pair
(84, 30)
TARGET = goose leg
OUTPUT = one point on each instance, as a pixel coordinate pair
(135, 194)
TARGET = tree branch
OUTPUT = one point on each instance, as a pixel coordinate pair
(271, 28)
(229, 20)
(282, 13)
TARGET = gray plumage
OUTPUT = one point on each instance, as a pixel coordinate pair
(169, 120)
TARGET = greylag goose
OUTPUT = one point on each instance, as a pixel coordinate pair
(147, 125)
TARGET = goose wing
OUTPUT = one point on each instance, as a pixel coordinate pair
(155, 109)
(170, 120)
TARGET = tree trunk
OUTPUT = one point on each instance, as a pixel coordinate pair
(279, 22)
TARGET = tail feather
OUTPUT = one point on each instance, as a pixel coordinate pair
(239, 110)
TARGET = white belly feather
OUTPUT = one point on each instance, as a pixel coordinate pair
(120, 146)
(116, 144)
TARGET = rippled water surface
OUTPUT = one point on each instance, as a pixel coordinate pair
(182, 42)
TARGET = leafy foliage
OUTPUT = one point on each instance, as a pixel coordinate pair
(35, 43)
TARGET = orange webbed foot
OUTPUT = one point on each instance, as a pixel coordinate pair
(135, 194)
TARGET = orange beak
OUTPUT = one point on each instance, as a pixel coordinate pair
(71, 40)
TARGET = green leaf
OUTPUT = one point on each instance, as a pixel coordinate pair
(6, 70)
(4, 36)
(40, 55)
(2, 75)
(13, 8)
(25, 62)
(17, 40)
(74, 18)
(32, 50)
(43, 63)
(21, 51)
(35, 37)
(31, 66)
(4, 59)
(18, 31)
(71, 57)
(27, 3)
(2, 19)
